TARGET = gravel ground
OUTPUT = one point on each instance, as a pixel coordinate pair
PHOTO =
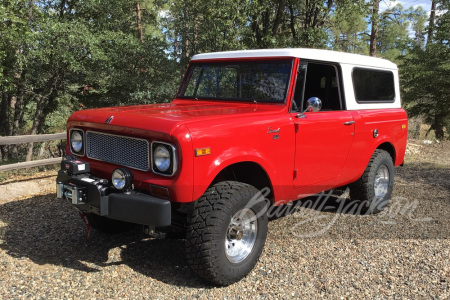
(314, 252)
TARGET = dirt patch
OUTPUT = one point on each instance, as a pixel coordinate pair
(23, 186)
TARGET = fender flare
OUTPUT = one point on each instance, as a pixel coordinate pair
(233, 156)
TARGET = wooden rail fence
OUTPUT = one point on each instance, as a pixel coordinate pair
(19, 139)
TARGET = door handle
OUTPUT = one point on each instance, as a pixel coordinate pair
(349, 122)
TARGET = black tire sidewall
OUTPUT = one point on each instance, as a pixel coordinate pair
(377, 205)
(238, 270)
(208, 226)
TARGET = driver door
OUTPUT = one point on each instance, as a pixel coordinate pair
(323, 139)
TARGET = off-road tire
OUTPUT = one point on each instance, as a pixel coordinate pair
(208, 227)
(363, 189)
(108, 225)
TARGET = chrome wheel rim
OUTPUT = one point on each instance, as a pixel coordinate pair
(241, 235)
(381, 183)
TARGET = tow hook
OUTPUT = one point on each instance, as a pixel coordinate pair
(86, 221)
(151, 232)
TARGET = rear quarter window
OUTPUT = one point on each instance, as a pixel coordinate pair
(373, 86)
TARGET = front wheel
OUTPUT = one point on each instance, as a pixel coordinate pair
(375, 186)
(226, 232)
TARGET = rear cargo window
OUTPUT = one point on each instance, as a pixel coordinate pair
(373, 85)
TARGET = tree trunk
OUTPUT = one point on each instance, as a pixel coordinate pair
(185, 37)
(42, 151)
(266, 23)
(4, 114)
(36, 121)
(256, 31)
(374, 33)
(276, 24)
(62, 8)
(307, 15)
(18, 110)
(39, 114)
(195, 35)
(292, 24)
(431, 23)
(438, 127)
(4, 121)
(30, 11)
(327, 13)
(18, 107)
(139, 24)
(175, 47)
(439, 132)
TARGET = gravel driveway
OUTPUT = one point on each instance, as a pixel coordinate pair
(312, 252)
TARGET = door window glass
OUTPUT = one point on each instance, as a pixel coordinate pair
(321, 82)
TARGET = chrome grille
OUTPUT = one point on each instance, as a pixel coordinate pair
(119, 150)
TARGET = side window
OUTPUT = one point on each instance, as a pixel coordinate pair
(321, 81)
(373, 85)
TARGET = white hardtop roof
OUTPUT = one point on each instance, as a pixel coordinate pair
(313, 54)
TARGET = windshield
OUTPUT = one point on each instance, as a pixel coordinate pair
(265, 81)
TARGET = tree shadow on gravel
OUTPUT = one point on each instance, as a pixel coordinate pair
(418, 209)
(426, 173)
(49, 231)
(332, 201)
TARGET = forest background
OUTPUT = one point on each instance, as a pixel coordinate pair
(61, 56)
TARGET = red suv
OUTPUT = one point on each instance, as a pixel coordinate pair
(247, 130)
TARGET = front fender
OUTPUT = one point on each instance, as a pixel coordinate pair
(206, 171)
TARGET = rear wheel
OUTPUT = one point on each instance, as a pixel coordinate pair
(374, 188)
(226, 232)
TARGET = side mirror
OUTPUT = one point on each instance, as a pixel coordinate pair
(314, 104)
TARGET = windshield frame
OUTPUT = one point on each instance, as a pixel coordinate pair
(188, 74)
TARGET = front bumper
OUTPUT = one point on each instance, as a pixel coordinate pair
(95, 195)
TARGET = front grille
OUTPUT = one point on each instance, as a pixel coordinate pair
(119, 150)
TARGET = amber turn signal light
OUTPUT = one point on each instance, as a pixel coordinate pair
(202, 151)
(159, 192)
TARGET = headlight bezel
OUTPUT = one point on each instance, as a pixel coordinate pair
(83, 142)
(172, 156)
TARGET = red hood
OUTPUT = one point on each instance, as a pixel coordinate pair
(166, 117)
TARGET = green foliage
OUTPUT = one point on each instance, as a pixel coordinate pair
(348, 26)
(58, 56)
(425, 74)
(393, 37)
(426, 88)
(442, 34)
(417, 18)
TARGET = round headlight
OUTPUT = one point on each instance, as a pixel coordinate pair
(122, 178)
(161, 157)
(76, 141)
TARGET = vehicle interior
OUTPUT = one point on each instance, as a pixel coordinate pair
(317, 80)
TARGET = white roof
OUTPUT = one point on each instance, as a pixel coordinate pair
(313, 54)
